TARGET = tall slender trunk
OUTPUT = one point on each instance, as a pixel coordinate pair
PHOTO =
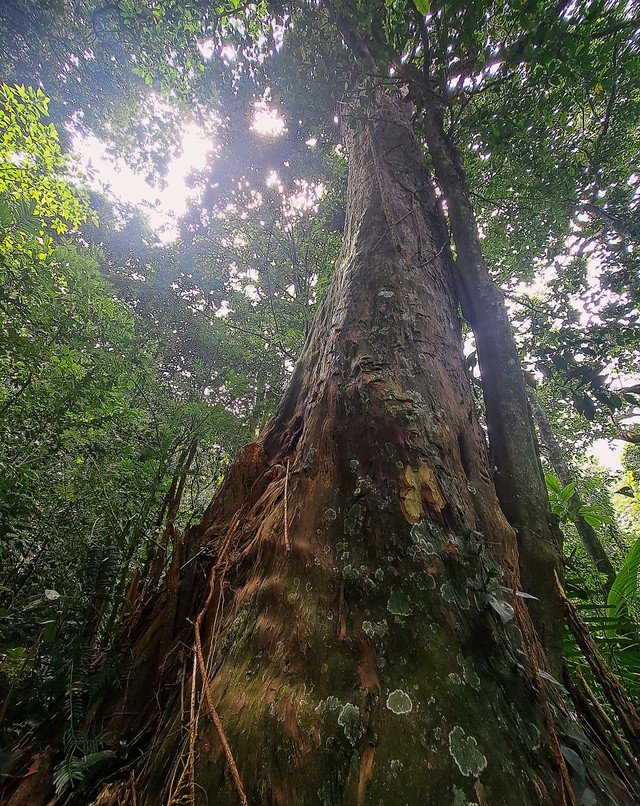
(586, 532)
(518, 474)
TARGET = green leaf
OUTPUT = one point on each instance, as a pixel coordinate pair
(568, 491)
(595, 516)
(423, 6)
(553, 485)
(625, 586)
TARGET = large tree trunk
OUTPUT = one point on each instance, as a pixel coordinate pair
(345, 585)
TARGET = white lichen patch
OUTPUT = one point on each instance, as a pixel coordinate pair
(424, 543)
(464, 751)
(398, 604)
(396, 766)
(375, 629)
(453, 594)
(399, 702)
(349, 721)
(331, 703)
(471, 677)
(468, 672)
(460, 799)
(426, 582)
(386, 294)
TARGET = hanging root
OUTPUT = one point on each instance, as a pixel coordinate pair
(287, 544)
(618, 698)
(209, 701)
(602, 727)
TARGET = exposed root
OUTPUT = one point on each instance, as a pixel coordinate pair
(192, 733)
(233, 769)
(287, 544)
(533, 653)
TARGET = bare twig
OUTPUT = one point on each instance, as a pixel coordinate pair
(287, 544)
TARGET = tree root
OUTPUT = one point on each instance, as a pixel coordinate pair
(233, 769)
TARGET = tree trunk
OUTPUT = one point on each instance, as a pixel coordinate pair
(518, 477)
(345, 584)
(586, 532)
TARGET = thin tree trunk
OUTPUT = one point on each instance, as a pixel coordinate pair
(586, 532)
(518, 477)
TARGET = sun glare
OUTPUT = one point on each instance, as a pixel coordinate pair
(162, 205)
(267, 121)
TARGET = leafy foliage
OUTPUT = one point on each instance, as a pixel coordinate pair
(562, 500)
(624, 591)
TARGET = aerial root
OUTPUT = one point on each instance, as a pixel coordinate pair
(533, 651)
(233, 769)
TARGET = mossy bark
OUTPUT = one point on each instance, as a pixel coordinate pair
(359, 640)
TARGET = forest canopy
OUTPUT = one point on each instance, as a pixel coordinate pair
(136, 362)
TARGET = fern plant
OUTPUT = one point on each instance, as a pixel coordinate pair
(624, 591)
(83, 754)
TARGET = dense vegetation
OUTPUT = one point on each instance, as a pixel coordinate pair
(132, 370)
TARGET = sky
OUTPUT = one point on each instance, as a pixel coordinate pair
(162, 205)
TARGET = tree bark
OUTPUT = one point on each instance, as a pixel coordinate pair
(518, 477)
(368, 663)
